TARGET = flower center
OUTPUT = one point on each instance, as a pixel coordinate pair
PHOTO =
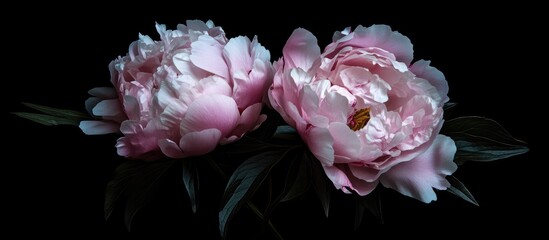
(359, 119)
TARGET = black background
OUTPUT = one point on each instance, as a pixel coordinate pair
(54, 177)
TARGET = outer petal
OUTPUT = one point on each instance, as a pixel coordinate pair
(109, 108)
(170, 148)
(237, 54)
(344, 180)
(248, 119)
(417, 178)
(211, 111)
(320, 143)
(301, 50)
(98, 127)
(198, 143)
(380, 36)
(338, 177)
(248, 90)
(207, 54)
(423, 70)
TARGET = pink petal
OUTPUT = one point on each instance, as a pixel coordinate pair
(422, 69)
(365, 173)
(417, 178)
(301, 50)
(380, 36)
(98, 127)
(130, 127)
(320, 143)
(338, 177)
(91, 103)
(346, 142)
(173, 114)
(211, 111)
(237, 54)
(123, 148)
(359, 185)
(308, 101)
(335, 106)
(198, 143)
(259, 52)
(108, 108)
(131, 107)
(251, 89)
(207, 53)
(214, 85)
(170, 148)
(247, 120)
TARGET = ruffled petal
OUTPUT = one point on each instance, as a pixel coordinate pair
(207, 53)
(237, 54)
(417, 178)
(301, 50)
(423, 70)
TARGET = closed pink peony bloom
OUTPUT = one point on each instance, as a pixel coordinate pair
(367, 114)
(183, 95)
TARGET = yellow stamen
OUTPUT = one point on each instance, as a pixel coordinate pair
(359, 120)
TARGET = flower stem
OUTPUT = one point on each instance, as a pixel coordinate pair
(249, 204)
(258, 213)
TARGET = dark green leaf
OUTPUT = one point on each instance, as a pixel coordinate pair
(286, 135)
(372, 202)
(135, 182)
(191, 181)
(448, 109)
(457, 188)
(64, 113)
(285, 129)
(297, 180)
(485, 151)
(47, 119)
(481, 139)
(321, 184)
(449, 105)
(244, 182)
(247, 145)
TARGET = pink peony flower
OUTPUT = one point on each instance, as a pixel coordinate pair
(367, 114)
(183, 95)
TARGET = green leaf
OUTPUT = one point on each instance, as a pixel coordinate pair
(286, 135)
(449, 105)
(135, 182)
(481, 139)
(64, 113)
(244, 183)
(321, 184)
(448, 109)
(47, 119)
(191, 181)
(457, 188)
(247, 145)
(371, 202)
(297, 180)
